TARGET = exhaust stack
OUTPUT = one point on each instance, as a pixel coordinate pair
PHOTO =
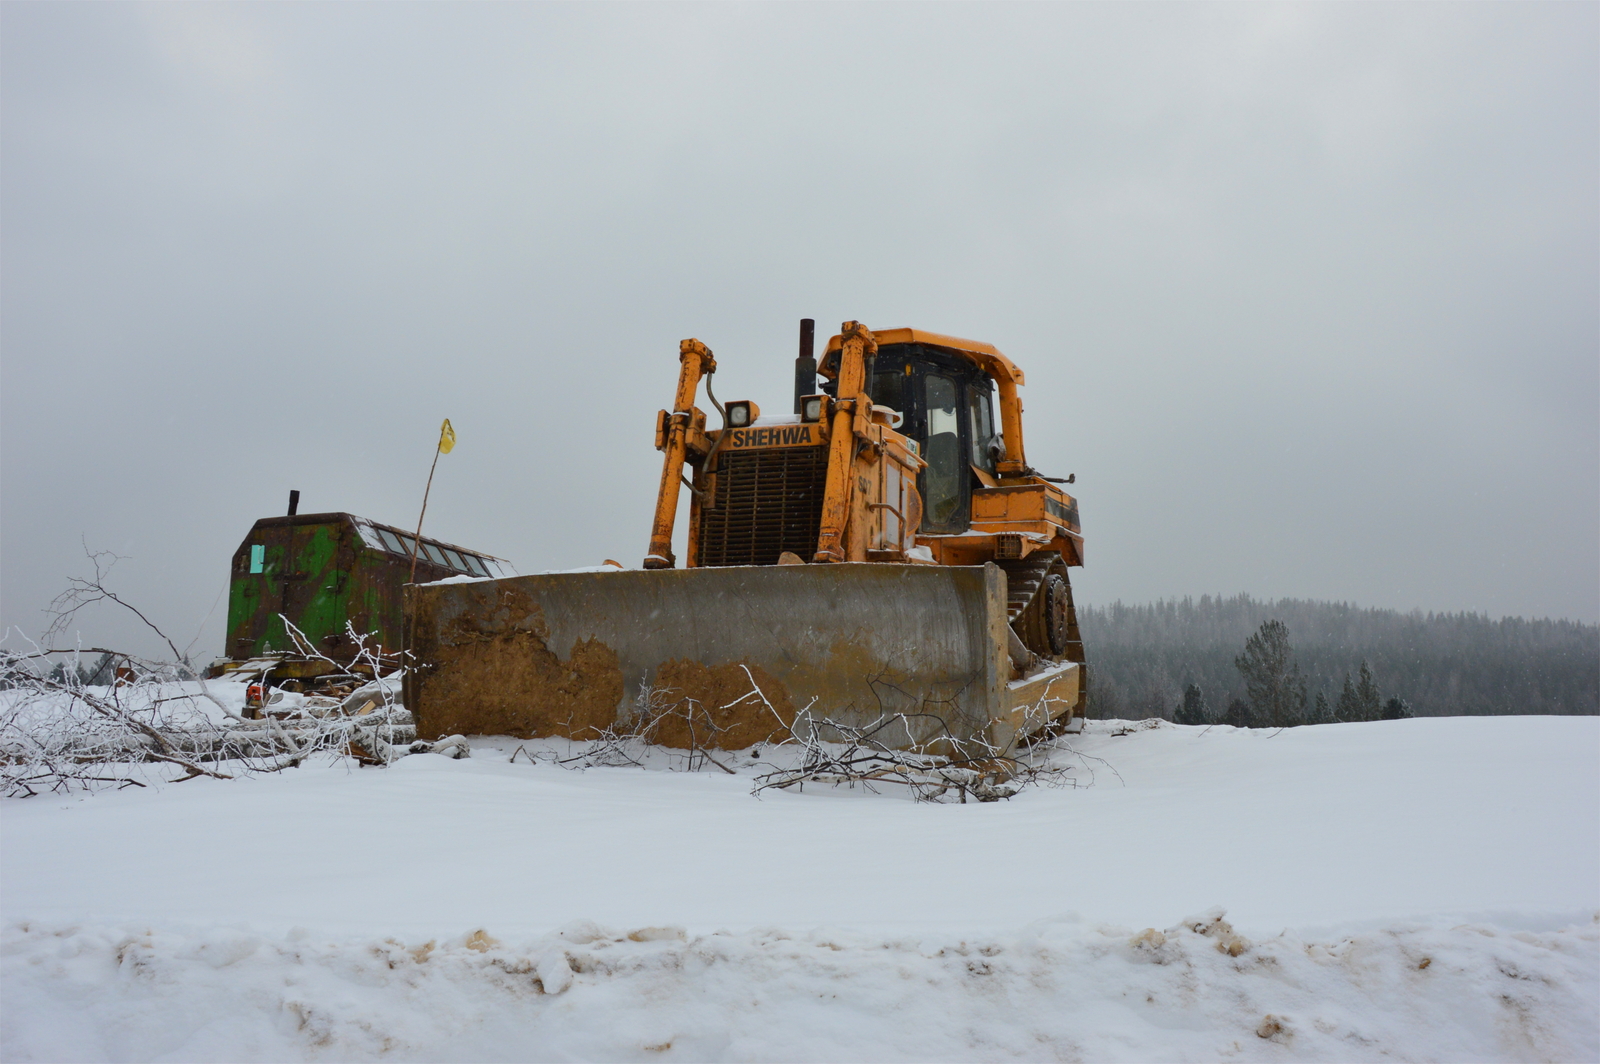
(294, 502)
(805, 366)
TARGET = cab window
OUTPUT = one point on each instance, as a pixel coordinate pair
(889, 387)
(944, 479)
(982, 414)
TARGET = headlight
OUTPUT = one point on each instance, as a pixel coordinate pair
(811, 408)
(738, 414)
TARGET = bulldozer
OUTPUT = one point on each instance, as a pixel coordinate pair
(880, 554)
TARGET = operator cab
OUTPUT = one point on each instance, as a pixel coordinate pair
(948, 406)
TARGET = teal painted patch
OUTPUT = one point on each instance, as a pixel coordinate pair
(258, 556)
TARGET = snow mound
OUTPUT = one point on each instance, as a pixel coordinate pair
(1440, 880)
(1055, 990)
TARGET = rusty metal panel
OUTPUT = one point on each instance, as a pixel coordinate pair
(571, 653)
(297, 567)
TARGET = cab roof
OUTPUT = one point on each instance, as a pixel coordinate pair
(987, 357)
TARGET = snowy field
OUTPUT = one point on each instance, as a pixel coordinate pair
(1405, 890)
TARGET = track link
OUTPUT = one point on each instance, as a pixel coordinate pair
(1039, 599)
(1027, 608)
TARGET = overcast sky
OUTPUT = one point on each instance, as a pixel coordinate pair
(1306, 295)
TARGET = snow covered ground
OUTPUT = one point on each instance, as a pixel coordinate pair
(1415, 890)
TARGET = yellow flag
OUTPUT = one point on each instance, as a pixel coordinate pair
(447, 437)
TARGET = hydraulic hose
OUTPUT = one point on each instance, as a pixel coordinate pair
(710, 465)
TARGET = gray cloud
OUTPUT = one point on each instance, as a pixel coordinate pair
(1306, 295)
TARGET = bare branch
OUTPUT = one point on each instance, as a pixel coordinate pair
(83, 591)
(59, 733)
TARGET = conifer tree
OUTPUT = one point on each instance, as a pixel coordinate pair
(1239, 714)
(1194, 709)
(1349, 705)
(1369, 702)
(1396, 709)
(1321, 712)
(1272, 680)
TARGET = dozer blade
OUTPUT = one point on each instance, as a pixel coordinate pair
(575, 654)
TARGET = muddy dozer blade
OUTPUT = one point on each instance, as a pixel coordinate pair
(572, 654)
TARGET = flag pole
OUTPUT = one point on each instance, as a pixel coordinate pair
(416, 541)
(446, 433)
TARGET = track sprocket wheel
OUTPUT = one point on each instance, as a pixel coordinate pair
(1054, 607)
(1039, 606)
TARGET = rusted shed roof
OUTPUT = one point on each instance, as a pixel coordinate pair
(373, 535)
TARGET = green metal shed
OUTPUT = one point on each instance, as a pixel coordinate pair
(324, 570)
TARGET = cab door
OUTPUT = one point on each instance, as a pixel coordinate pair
(946, 483)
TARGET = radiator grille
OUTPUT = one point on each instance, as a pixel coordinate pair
(767, 502)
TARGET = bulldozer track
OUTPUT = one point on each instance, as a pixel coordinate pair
(1039, 606)
(1038, 587)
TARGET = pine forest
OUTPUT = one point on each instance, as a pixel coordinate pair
(1241, 660)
